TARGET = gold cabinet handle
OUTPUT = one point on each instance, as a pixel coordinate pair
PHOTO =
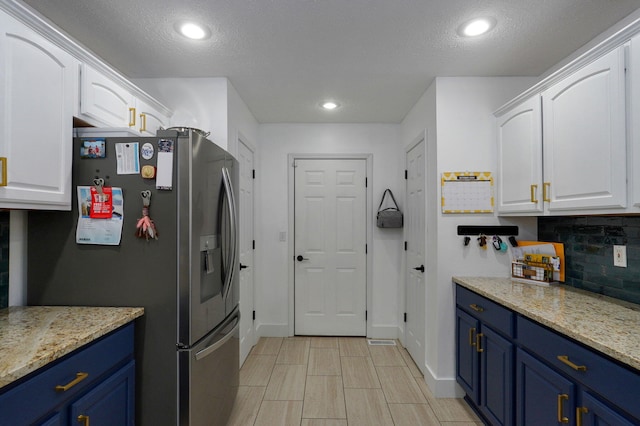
(143, 122)
(472, 342)
(546, 189)
(579, 412)
(478, 342)
(476, 307)
(565, 360)
(84, 420)
(132, 117)
(79, 377)
(534, 190)
(561, 398)
(3, 174)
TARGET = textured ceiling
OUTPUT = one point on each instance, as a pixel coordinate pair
(375, 57)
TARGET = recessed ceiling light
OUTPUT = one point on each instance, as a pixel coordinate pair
(192, 30)
(329, 105)
(476, 27)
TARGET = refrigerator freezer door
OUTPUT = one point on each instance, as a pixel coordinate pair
(209, 376)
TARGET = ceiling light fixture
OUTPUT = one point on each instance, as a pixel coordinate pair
(192, 30)
(476, 27)
(330, 105)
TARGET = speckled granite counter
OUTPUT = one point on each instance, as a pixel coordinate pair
(32, 336)
(605, 324)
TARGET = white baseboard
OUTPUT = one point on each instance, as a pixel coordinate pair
(383, 332)
(442, 387)
(272, 330)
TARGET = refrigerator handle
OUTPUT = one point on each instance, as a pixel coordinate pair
(219, 343)
(234, 239)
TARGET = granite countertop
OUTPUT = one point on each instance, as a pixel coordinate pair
(32, 336)
(603, 323)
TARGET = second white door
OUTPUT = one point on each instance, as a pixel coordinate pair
(330, 247)
(415, 254)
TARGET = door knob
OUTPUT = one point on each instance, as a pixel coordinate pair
(420, 268)
(300, 258)
(243, 266)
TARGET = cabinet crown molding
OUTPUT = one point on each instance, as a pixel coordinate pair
(617, 39)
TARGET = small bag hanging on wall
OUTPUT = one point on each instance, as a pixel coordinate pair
(390, 217)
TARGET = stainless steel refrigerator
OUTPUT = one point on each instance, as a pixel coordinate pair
(187, 342)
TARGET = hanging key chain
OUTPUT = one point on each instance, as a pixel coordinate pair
(145, 227)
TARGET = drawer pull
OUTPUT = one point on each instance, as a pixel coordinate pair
(132, 117)
(534, 189)
(478, 342)
(546, 189)
(561, 398)
(476, 307)
(84, 420)
(471, 333)
(79, 377)
(565, 360)
(579, 412)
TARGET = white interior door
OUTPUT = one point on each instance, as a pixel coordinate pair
(415, 254)
(330, 247)
(247, 334)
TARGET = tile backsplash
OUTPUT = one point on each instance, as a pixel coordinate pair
(588, 244)
(4, 259)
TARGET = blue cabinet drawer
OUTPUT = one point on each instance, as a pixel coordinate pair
(584, 365)
(37, 396)
(500, 318)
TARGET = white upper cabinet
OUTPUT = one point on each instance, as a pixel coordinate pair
(105, 103)
(149, 118)
(519, 182)
(584, 137)
(634, 118)
(38, 90)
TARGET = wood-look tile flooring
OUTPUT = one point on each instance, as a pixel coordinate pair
(336, 381)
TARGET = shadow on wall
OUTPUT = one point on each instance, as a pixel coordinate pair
(4, 259)
(588, 247)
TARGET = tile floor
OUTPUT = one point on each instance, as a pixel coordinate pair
(336, 381)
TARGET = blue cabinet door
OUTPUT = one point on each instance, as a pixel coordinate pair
(496, 377)
(596, 413)
(467, 360)
(543, 397)
(109, 403)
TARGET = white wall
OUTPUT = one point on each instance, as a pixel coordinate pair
(241, 122)
(277, 141)
(195, 102)
(457, 113)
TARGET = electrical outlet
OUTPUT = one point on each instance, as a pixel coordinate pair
(620, 256)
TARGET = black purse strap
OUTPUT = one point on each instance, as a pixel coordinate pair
(392, 198)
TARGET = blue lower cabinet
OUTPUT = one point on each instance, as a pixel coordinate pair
(543, 396)
(485, 357)
(496, 377)
(95, 381)
(593, 412)
(109, 403)
(467, 360)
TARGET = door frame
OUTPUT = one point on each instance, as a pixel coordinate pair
(291, 231)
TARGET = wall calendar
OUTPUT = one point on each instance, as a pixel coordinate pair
(467, 192)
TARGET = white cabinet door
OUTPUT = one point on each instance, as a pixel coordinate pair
(149, 119)
(38, 89)
(104, 103)
(634, 115)
(519, 182)
(584, 138)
